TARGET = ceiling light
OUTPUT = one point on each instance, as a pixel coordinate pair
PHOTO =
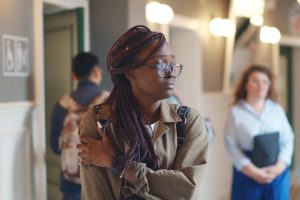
(159, 13)
(221, 27)
(269, 34)
(257, 20)
(248, 8)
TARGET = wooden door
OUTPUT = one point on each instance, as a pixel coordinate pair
(63, 39)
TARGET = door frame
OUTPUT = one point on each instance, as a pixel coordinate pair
(293, 42)
(39, 143)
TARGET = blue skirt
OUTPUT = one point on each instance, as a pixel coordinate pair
(245, 188)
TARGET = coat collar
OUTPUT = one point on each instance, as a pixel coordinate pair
(168, 117)
(168, 112)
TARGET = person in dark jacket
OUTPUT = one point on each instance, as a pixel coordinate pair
(85, 68)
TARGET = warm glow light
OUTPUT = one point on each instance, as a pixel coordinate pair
(221, 27)
(248, 8)
(257, 20)
(159, 13)
(269, 34)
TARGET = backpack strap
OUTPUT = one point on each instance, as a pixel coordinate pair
(100, 98)
(97, 110)
(69, 104)
(180, 126)
(96, 104)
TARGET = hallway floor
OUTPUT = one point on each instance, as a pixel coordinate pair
(295, 192)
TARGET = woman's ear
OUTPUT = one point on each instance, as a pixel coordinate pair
(97, 71)
(130, 75)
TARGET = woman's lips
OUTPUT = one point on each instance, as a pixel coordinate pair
(170, 85)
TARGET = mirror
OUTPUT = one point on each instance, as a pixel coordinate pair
(243, 49)
(246, 43)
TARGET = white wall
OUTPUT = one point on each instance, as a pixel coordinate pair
(136, 13)
(186, 47)
(16, 137)
(217, 180)
(296, 111)
(188, 50)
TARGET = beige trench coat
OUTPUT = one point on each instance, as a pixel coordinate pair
(179, 175)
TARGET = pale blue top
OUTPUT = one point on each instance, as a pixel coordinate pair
(243, 124)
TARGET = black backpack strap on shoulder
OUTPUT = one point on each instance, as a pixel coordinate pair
(180, 126)
(97, 110)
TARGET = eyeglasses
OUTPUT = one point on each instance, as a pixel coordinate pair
(164, 70)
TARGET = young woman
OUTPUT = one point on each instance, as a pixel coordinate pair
(259, 139)
(133, 153)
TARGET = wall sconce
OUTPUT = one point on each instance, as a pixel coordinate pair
(257, 20)
(269, 34)
(159, 13)
(248, 8)
(221, 27)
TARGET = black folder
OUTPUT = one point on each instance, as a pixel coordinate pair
(266, 149)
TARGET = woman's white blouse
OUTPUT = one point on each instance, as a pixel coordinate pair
(243, 124)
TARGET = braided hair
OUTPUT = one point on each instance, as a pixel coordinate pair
(128, 53)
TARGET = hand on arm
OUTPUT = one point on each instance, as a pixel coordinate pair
(94, 183)
(96, 152)
(129, 175)
(259, 175)
(276, 169)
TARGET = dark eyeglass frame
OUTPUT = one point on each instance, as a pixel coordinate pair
(171, 69)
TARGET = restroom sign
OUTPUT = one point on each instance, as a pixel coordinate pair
(15, 56)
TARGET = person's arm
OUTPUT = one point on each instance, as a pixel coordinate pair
(240, 160)
(286, 145)
(260, 175)
(95, 182)
(182, 181)
(178, 183)
(286, 142)
(57, 120)
(231, 144)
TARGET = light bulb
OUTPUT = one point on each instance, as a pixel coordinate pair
(269, 34)
(159, 13)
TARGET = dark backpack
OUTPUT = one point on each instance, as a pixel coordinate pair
(180, 126)
(69, 136)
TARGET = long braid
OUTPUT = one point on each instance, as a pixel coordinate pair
(130, 126)
(129, 52)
